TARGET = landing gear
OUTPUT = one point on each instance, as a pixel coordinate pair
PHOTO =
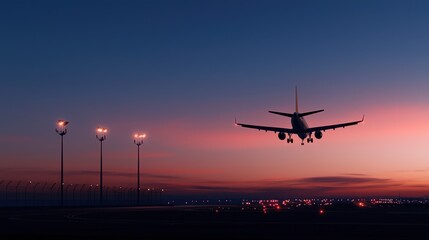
(309, 139)
(289, 139)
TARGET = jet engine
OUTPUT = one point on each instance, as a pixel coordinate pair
(318, 134)
(282, 136)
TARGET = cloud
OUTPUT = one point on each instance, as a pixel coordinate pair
(419, 186)
(341, 180)
(314, 186)
(355, 174)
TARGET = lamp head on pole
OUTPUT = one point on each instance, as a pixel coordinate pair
(61, 127)
(138, 138)
(101, 133)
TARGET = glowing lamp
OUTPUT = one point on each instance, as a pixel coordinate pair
(101, 130)
(139, 135)
(62, 123)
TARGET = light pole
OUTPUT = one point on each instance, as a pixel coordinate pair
(101, 136)
(138, 140)
(62, 130)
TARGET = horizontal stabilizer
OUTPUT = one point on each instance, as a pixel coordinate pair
(281, 113)
(309, 113)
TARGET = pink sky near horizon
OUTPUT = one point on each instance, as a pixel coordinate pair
(384, 146)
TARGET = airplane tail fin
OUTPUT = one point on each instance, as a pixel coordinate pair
(296, 99)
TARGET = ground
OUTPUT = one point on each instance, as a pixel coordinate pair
(213, 222)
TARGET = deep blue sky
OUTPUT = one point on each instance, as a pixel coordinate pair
(156, 65)
(188, 47)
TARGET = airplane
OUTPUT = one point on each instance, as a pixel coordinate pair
(299, 125)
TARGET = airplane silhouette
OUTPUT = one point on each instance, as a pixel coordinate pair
(299, 125)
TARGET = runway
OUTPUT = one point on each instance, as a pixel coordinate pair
(211, 222)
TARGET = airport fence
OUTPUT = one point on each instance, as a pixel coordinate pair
(36, 194)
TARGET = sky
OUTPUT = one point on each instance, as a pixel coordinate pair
(182, 71)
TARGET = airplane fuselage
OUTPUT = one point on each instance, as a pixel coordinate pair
(299, 125)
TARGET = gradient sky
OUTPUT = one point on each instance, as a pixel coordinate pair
(181, 71)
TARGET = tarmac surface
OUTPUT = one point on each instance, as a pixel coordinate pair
(212, 222)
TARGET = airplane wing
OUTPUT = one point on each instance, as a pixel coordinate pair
(265, 128)
(340, 125)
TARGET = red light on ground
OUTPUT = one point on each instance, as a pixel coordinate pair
(322, 211)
